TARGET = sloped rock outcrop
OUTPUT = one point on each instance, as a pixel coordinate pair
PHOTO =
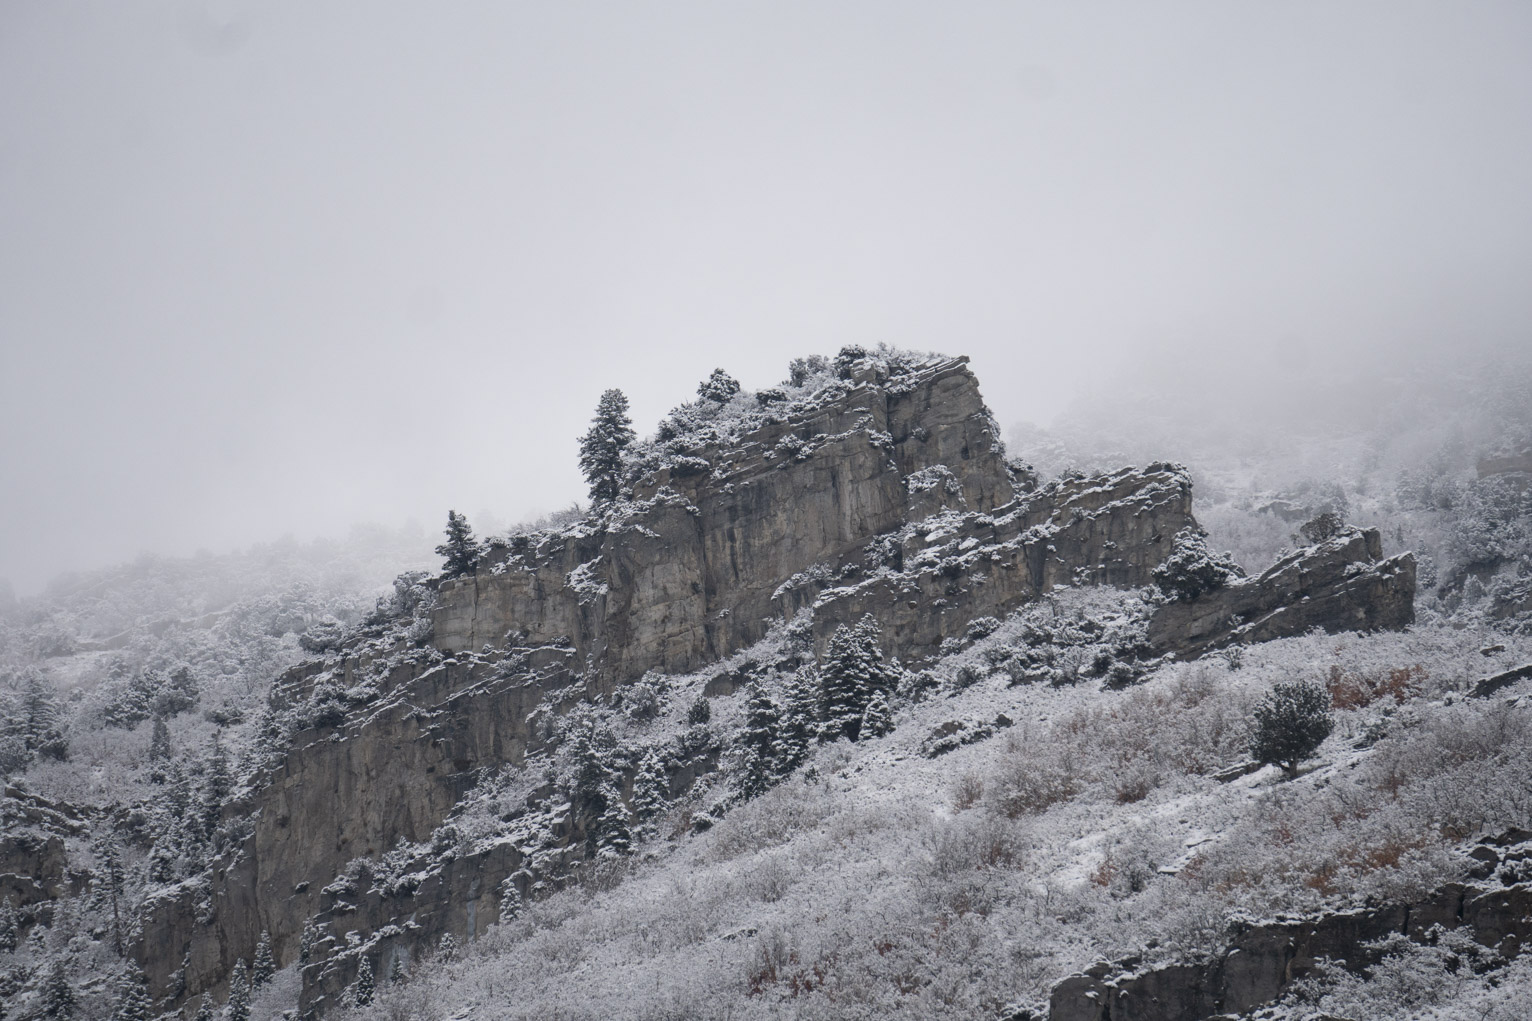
(886, 492)
(1341, 584)
(1263, 958)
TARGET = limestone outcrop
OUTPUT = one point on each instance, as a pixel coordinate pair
(1263, 958)
(1341, 584)
(884, 492)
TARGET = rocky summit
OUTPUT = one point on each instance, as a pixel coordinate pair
(882, 493)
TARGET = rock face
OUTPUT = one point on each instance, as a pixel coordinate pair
(1341, 584)
(1263, 959)
(884, 493)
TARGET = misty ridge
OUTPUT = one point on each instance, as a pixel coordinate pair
(1015, 814)
(825, 512)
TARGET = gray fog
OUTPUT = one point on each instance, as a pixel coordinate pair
(284, 267)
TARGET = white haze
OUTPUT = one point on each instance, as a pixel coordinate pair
(283, 267)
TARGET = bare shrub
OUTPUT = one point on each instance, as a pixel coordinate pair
(967, 790)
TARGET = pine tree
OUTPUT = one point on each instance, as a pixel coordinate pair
(614, 837)
(58, 994)
(396, 970)
(461, 550)
(159, 741)
(446, 950)
(651, 793)
(601, 448)
(133, 1003)
(878, 718)
(799, 721)
(10, 927)
(162, 860)
(720, 387)
(363, 990)
(1290, 724)
(307, 942)
(217, 787)
(852, 672)
(760, 744)
(205, 1012)
(265, 963)
(42, 725)
(114, 879)
(238, 1006)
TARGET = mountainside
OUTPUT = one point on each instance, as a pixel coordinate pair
(820, 616)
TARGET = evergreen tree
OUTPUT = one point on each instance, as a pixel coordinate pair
(852, 672)
(799, 721)
(216, 788)
(699, 712)
(614, 838)
(10, 927)
(307, 942)
(159, 741)
(396, 970)
(114, 879)
(265, 963)
(720, 387)
(238, 1006)
(878, 718)
(1290, 724)
(363, 990)
(651, 792)
(601, 448)
(760, 744)
(205, 1011)
(133, 1003)
(461, 550)
(58, 994)
(162, 860)
(42, 725)
(446, 950)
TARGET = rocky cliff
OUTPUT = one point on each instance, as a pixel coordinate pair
(885, 491)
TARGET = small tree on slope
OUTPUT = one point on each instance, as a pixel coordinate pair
(133, 1002)
(238, 1007)
(1290, 724)
(364, 986)
(1192, 569)
(759, 744)
(651, 793)
(601, 448)
(461, 550)
(878, 718)
(852, 672)
(265, 964)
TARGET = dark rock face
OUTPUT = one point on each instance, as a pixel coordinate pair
(1262, 960)
(888, 496)
(34, 868)
(1341, 584)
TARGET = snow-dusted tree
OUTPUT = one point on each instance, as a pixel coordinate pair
(205, 1011)
(238, 1006)
(1192, 569)
(602, 446)
(42, 723)
(362, 991)
(10, 927)
(446, 950)
(651, 793)
(461, 551)
(216, 787)
(614, 835)
(162, 859)
(1290, 724)
(58, 994)
(699, 712)
(720, 387)
(759, 744)
(159, 741)
(113, 880)
(800, 716)
(308, 941)
(852, 672)
(133, 1003)
(265, 964)
(396, 970)
(877, 718)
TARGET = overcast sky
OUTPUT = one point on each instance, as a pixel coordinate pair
(282, 267)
